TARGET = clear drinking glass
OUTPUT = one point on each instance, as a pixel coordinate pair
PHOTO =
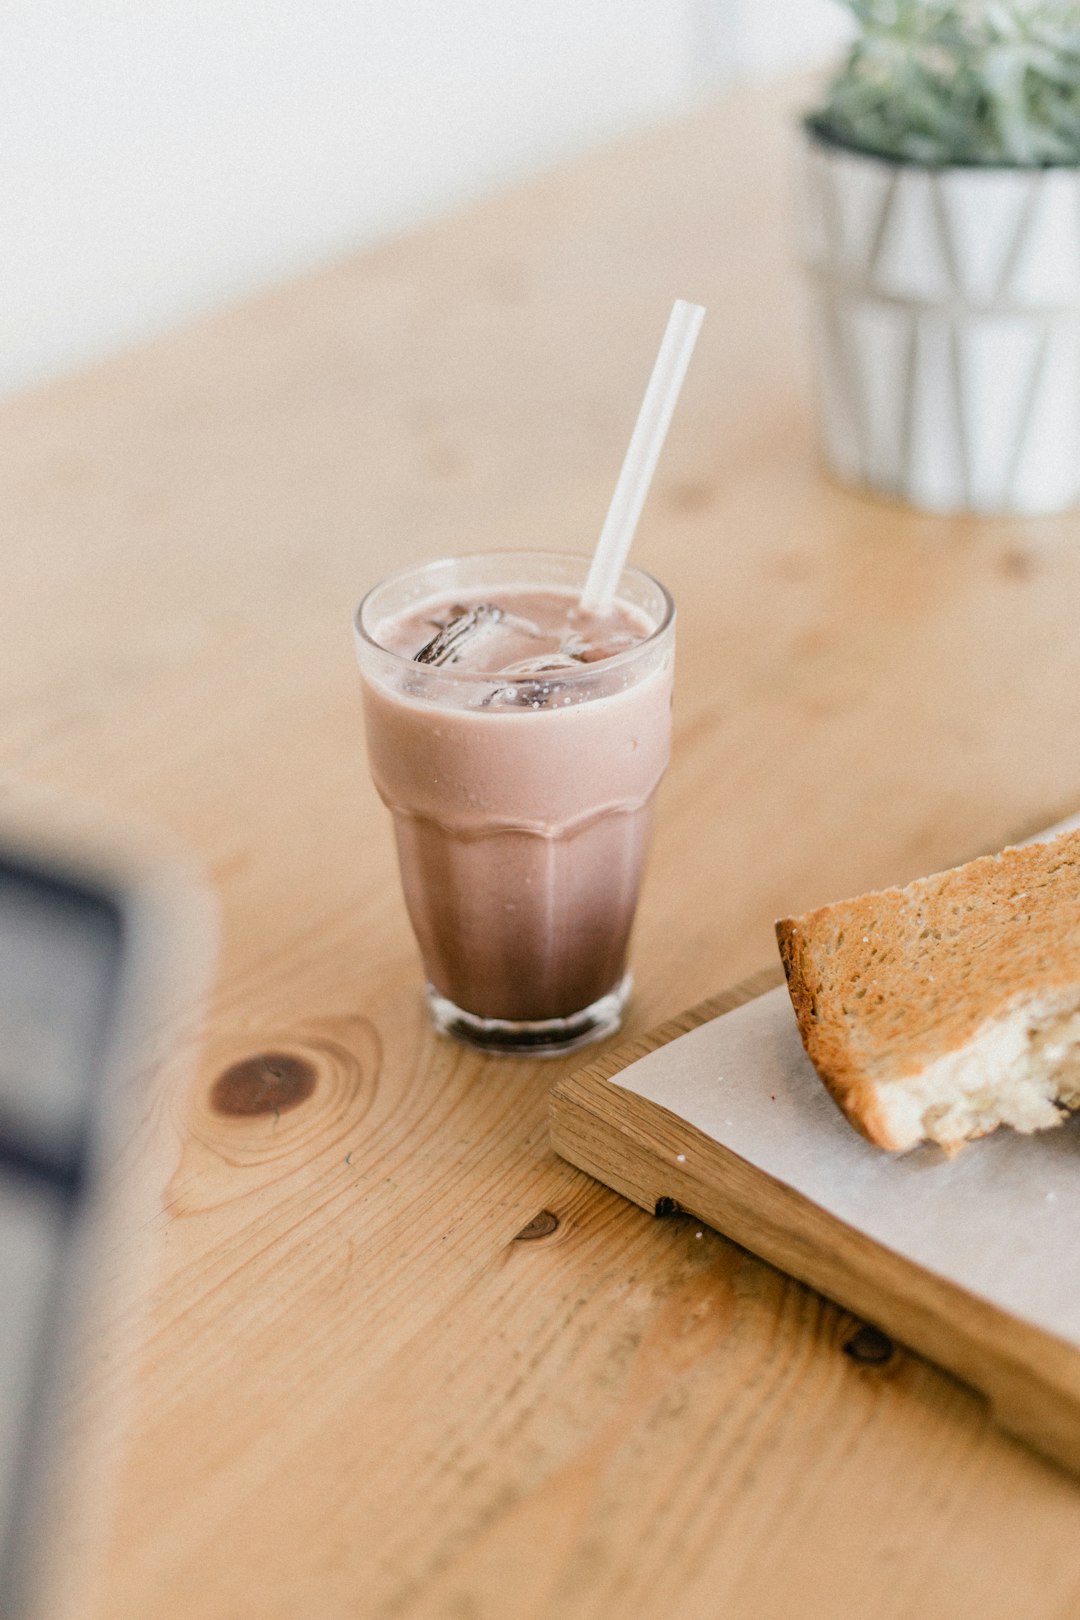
(522, 807)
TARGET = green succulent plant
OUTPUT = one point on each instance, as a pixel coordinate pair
(971, 82)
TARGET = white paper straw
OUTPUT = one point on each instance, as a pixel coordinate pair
(643, 452)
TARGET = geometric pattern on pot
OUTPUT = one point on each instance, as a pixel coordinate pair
(947, 316)
(981, 236)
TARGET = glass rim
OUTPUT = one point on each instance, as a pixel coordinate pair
(447, 672)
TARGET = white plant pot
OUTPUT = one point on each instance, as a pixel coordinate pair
(946, 306)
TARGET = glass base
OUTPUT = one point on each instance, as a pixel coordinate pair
(539, 1038)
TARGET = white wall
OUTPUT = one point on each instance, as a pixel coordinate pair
(754, 37)
(158, 157)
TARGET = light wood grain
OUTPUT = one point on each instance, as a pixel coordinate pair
(362, 1394)
(648, 1153)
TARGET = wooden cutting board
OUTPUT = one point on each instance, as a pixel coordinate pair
(973, 1261)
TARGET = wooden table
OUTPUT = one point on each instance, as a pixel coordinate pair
(400, 1360)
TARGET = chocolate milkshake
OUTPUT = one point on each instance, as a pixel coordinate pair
(518, 743)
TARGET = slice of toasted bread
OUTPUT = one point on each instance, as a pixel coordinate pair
(942, 1010)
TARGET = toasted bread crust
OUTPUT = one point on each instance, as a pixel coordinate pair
(885, 984)
(850, 1091)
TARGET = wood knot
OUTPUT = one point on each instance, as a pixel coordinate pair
(690, 496)
(1017, 565)
(272, 1083)
(540, 1226)
(869, 1346)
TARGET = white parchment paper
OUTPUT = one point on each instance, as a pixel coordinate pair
(1002, 1219)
